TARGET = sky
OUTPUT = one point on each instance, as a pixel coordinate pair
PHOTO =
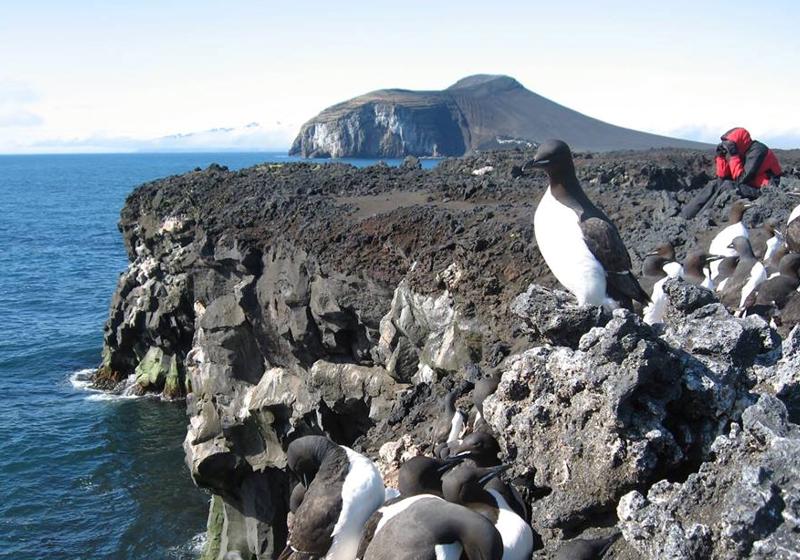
(78, 75)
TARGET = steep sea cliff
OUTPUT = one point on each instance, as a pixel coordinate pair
(282, 300)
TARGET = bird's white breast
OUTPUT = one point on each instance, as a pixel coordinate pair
(772, 245)
(795, 214)
(516, 533)
(362, 494)
(719, 246)
(448, 551)
(563, 247)
(758, 274)
(456, 426)
(654, 312)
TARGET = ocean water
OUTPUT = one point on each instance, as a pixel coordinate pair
(84, 476)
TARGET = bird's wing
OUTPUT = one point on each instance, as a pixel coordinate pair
(605, 243)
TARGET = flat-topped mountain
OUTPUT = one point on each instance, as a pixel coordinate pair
(479, 112)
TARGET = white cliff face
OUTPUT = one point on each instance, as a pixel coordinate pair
(378, 130)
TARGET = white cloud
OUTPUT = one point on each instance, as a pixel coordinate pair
(15, 105)
(250, 137)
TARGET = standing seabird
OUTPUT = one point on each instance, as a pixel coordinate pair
(343, 489)
(735, 228)
(658, 270)
(793, 228)
(775, 292)
(766, 239)
(450, 424)
(749, 274)
(464, 485)
(580, 244)
(483, 450)
(483, 388)
(774, 263)
(696, 269)
(433, 529)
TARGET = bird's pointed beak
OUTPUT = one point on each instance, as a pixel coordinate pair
(305, 480)
(778, 232)
(449, 463)
(462, 455)
(493, 472)
(793, 193)
(748, 205)
(712, 258)
(533, 164)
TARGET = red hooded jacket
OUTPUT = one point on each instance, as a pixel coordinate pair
(754, 164)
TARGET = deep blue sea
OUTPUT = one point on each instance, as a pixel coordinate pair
(84, 476)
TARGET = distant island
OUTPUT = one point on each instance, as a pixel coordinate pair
(477, 113)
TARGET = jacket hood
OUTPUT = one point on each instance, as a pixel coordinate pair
(740, 137)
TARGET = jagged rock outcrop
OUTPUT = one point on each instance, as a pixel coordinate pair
(292, 299)
(742, 504)
(476, 113)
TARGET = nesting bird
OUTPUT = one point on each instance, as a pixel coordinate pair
(464, 485)
(450, 424)
(433, 529)
(749, 274)
(696, 269)
(580, 244)
(766, 240)
(721, 244)
(343, 489)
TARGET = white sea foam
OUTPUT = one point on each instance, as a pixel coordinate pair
(82, 381)
(192, 549)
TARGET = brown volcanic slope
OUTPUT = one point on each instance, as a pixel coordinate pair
(476, 113)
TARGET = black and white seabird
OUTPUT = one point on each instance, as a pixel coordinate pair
(423, 475)
(793, 227)
(343, 489)
(696, 269)
(725, 269)
(449, 425)
(658, 267)
(483, 451)
(744, 281)
(586, 549)
(464, 485)
(433, 529)
(580, 244)
(766, 239)
(483, 388)
(775, 292)
(774, 263)
(720, 245)
(418, 477)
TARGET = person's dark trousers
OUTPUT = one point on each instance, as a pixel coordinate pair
(707, 196)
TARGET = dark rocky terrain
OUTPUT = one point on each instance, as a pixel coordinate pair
(481, 112)
(282, 300)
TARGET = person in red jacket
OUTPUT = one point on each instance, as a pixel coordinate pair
(744, 166)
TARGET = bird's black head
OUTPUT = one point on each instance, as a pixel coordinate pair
(738, 209)
(305, 456)
(772, 225)
(465, 484)
(790, 265)
(551, 155)
(665, 250)
(481, 447)
(742, 246)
